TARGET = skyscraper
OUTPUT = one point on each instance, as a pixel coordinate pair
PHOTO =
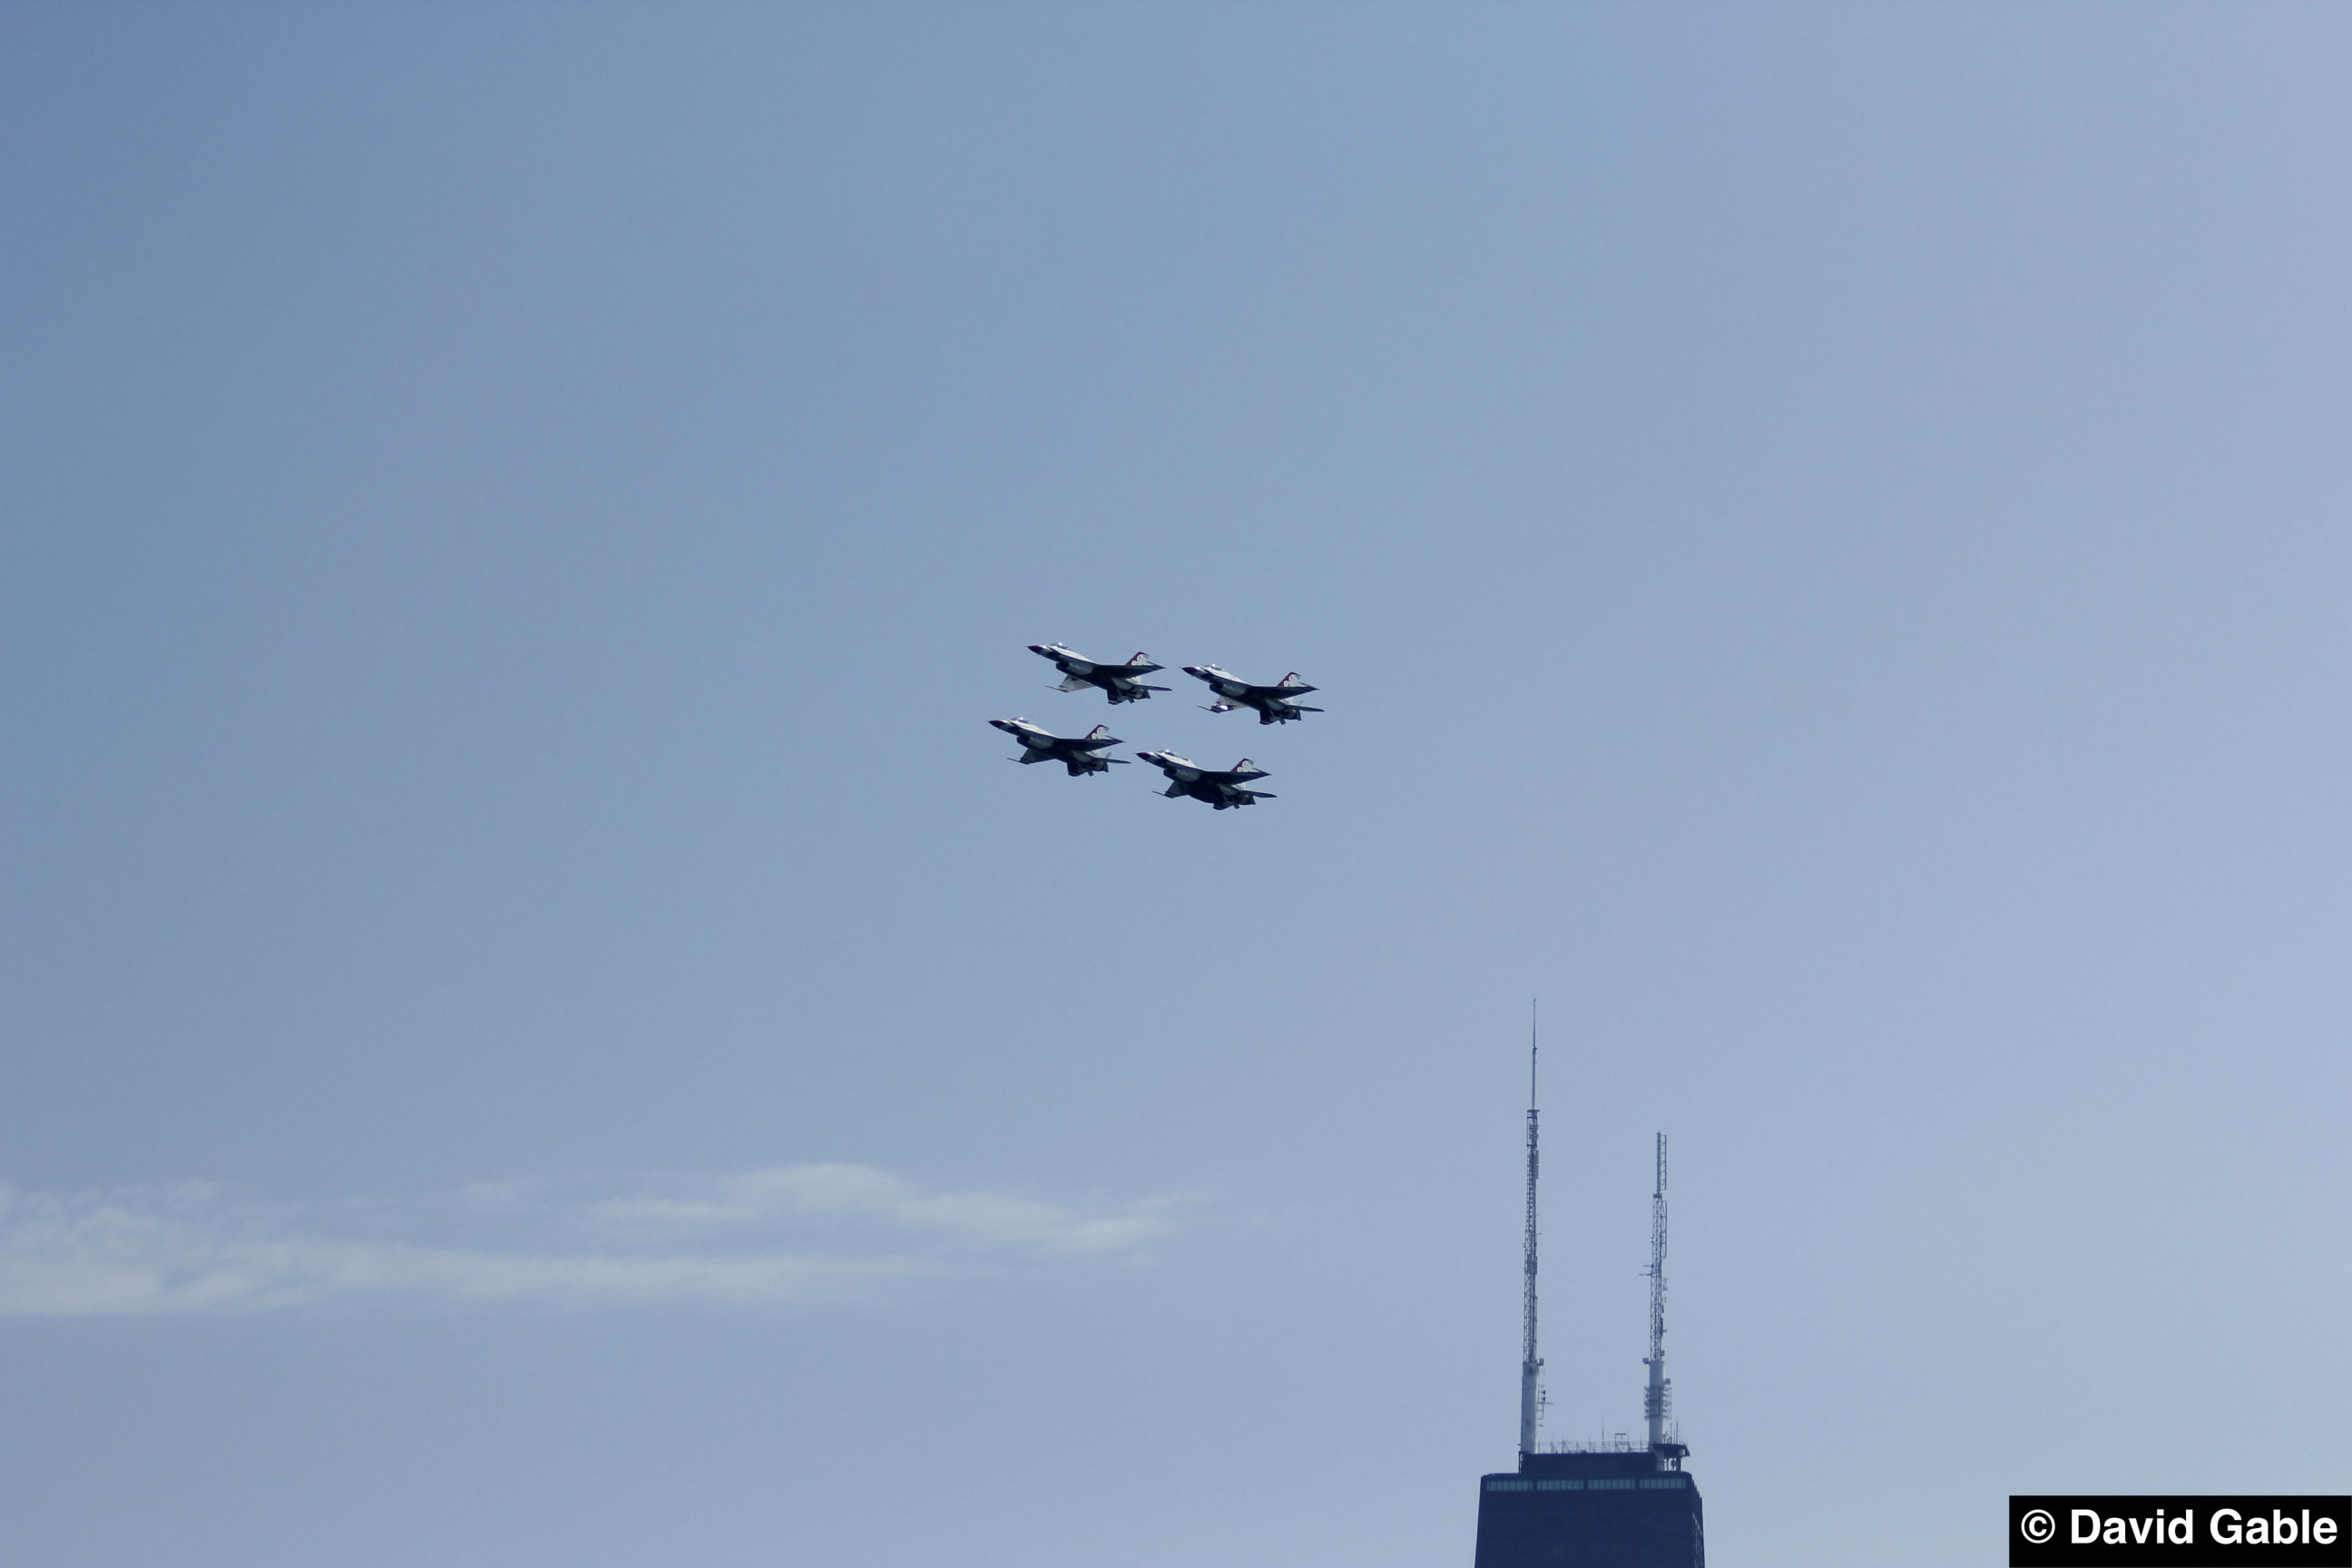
(1600, 1505)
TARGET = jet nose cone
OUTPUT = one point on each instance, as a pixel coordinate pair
(1195, 670)
(1039, 647)
(998, 724)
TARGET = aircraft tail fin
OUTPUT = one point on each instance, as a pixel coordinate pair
(1292, 683)
(1246, 769)
(1099, 732)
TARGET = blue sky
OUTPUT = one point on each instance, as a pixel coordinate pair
(541, 1028)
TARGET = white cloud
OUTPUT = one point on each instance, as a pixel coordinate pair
(789, 1194)
(190, 1250)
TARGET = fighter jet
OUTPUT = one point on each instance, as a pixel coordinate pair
(1273, 703)
(1078, 755)
(1119, 682)
(1220, 790)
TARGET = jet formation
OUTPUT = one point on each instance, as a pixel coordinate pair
(1080, 755)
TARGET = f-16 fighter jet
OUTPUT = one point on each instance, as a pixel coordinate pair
(1078, 755)
(1220, 790)
(1119, 682)
(1273, 703)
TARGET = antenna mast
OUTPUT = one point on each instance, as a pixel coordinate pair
(1659, 1400)
(1530, 1365)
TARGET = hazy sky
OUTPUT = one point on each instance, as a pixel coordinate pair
(541, 1028)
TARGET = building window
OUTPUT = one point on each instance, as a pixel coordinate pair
(1560, 1486)
(1509, 1486)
